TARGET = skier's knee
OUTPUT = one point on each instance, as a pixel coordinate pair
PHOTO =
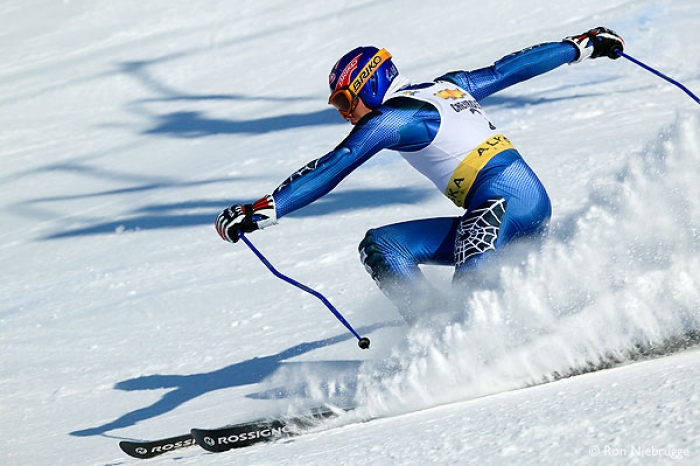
(373, 249)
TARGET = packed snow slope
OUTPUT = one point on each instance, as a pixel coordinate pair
(125, 127)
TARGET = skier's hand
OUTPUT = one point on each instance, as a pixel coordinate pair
(598, 42)
(244, 218)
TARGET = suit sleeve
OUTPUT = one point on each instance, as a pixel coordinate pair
(401, 124)
(512, 69)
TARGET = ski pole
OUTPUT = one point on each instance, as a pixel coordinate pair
(362, 342)
(659, 74)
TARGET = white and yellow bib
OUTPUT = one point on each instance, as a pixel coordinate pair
(464, 143)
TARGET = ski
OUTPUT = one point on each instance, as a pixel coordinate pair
(262, 430)
(144, 449)
(228, 437)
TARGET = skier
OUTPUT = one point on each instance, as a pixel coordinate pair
(442, 131)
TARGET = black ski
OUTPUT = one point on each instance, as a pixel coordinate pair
(149, 448)
(263, 430)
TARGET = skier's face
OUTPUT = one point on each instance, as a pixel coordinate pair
(357, 113)
(349, 105)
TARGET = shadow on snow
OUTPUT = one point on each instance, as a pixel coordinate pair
(187, 387)
(197, 213)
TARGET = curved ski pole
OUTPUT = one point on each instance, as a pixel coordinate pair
(659, 74)
(363, 342)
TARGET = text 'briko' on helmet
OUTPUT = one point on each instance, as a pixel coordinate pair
(373, 80)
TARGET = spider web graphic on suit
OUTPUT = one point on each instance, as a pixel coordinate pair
(478, 231)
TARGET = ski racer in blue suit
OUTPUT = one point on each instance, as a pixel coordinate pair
(440, 129)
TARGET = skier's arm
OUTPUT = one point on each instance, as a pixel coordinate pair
(318, 178)
(514, 68)
(304, 186)
(401, 124)
(534, 61)
(396, 125)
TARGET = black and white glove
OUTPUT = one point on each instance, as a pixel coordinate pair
(598, 42)
(244, 218)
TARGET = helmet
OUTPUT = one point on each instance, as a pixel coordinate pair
(372, 88)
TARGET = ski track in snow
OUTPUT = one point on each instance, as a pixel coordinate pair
(126, 127)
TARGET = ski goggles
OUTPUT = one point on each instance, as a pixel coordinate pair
(345, 99)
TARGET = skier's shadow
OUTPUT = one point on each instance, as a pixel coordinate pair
(188, 387)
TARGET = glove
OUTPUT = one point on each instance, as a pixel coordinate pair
(598, 42)
(244, 218)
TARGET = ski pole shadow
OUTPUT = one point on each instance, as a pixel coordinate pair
(187, 387)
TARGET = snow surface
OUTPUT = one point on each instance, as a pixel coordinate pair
(125, 127)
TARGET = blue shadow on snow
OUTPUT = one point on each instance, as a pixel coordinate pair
(193, 124)
(181, 215)
(187, 387)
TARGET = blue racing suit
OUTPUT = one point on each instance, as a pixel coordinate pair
(505, 200)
